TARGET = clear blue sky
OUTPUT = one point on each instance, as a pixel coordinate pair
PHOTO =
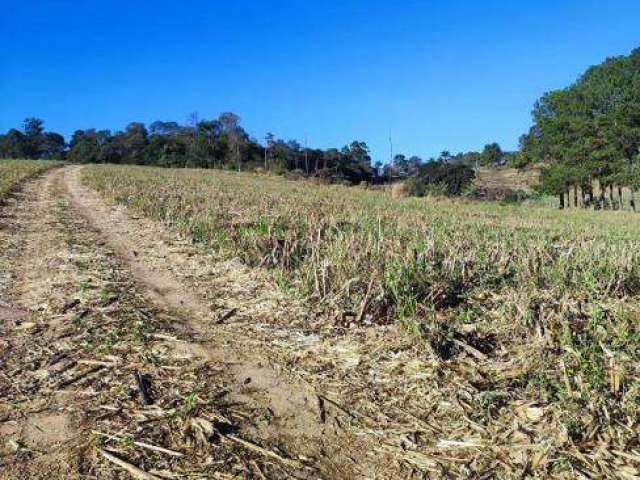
(437, 74)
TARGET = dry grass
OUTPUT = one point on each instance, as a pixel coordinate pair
(13, 172)
(498, 182)
(400, 190)
(529, 315)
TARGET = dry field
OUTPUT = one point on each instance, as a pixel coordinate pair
(13, 172)
(501, 181)
(283, 329)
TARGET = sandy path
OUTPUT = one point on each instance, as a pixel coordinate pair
(31, 236)
(148, 259)
(307, 425)
(39, 243)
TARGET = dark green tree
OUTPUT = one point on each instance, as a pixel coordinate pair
(491, 154)
(593, 126)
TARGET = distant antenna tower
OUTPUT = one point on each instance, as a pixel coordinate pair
(306, 156)
(390, 154)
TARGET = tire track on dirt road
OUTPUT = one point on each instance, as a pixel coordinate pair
(65, 363)
(34, 216)
(31, 238)
(298, 417)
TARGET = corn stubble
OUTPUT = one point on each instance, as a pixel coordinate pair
(524, 319)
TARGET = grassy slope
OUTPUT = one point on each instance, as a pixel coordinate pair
(553, 292)
(12, 172)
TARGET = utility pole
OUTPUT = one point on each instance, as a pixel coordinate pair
(196, 121)
(306, 156)
(266, 147)
(390, 155)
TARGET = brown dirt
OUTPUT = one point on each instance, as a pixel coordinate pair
(45, 431)
(31, 241)
(12, 314)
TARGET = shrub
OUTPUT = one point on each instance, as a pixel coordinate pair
(439, 178)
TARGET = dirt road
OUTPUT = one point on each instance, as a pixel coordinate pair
(126, 351)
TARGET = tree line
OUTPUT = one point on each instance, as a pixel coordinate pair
(218, 143)
(224, 143)
(587, 135)
(491, 155)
